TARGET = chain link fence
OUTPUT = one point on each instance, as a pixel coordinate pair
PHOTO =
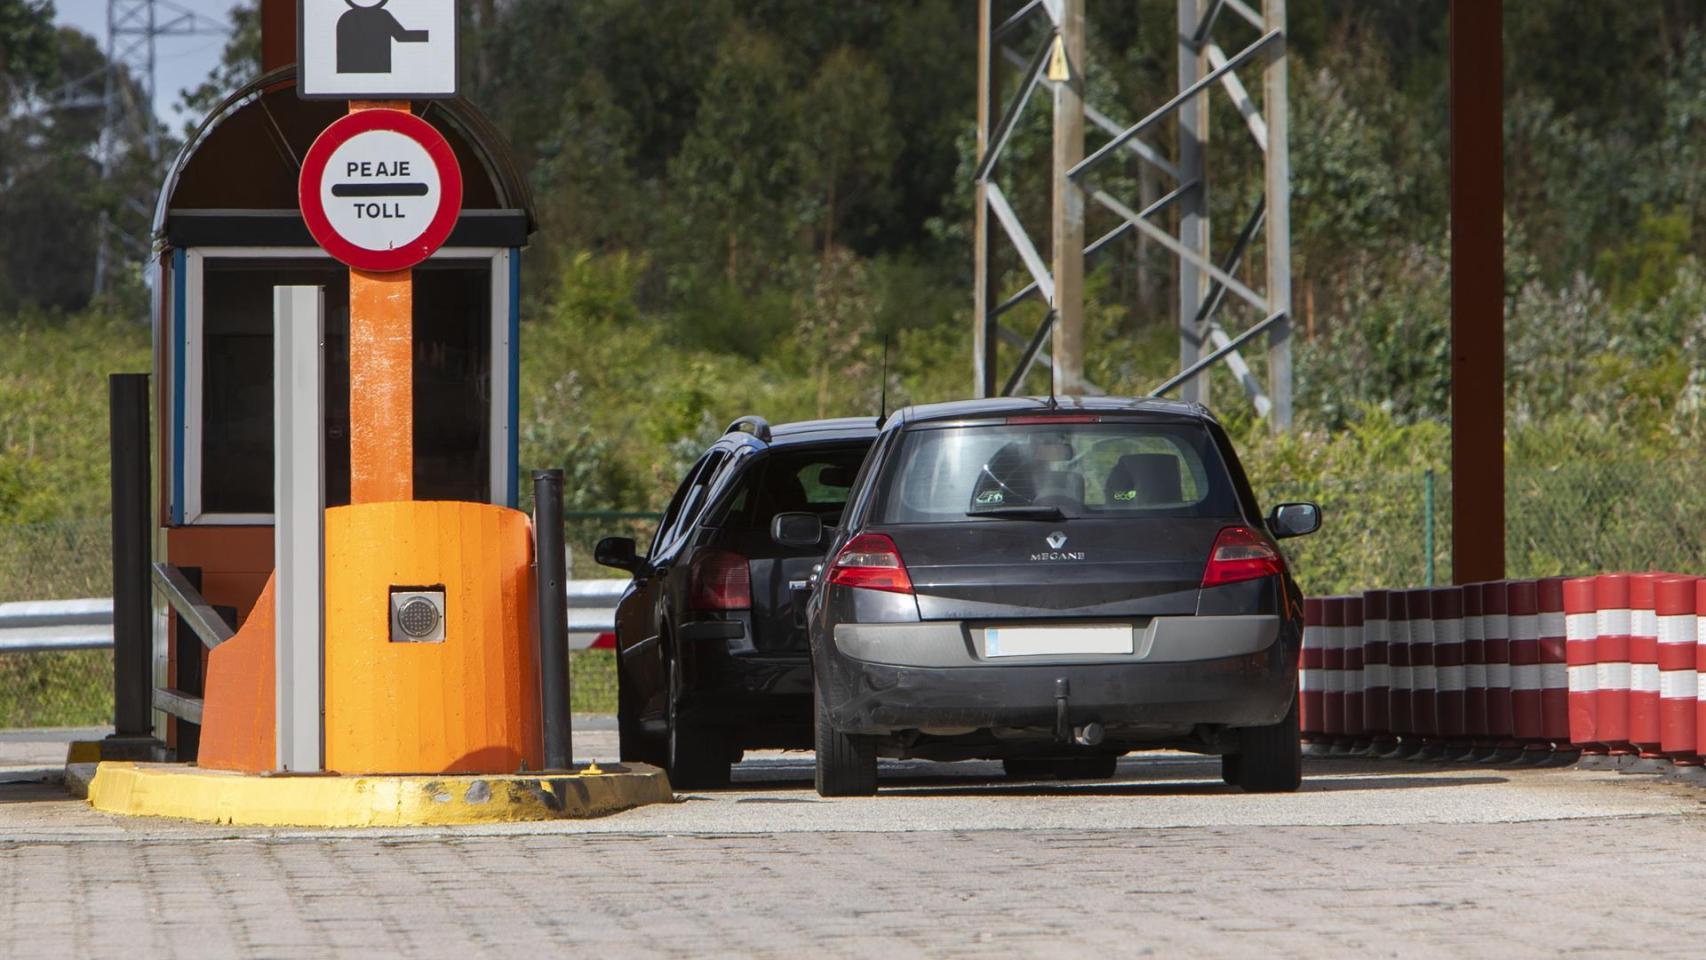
(1394, 530)
(65, 560)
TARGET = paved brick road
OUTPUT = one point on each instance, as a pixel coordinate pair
(1395, 860)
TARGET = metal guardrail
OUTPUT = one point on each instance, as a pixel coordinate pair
(40, 626)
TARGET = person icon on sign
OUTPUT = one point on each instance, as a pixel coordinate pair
(365, 34)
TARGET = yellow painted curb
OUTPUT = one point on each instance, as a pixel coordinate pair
(218, 796)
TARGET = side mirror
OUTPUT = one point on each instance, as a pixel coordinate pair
(797, 529)
(617, 552)
(1294, 520)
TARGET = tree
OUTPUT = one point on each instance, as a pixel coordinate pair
(847, 146)
(239, 63)
(737, 172)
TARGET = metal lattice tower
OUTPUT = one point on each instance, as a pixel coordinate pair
(1204, 281)
(133, 26)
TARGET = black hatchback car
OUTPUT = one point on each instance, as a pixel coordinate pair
(1055, 583)
(710, 635)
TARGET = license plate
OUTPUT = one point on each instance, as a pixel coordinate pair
(1046, 641)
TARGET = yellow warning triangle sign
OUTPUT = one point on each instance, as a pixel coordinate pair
(1058, 70)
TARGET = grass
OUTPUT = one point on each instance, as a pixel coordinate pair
(593, 674)
(72, 688)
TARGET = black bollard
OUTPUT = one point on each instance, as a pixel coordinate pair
(133, 668)
(553, 613)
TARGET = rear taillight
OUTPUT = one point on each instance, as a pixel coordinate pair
(720, 580)
(1241, 554)
(870, 561)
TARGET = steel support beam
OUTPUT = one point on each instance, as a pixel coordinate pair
(984, 344)
(1204, 279)
(1193, 229)
(1033, 348)
(1106, 123)
(1278, 165)
(1477, 291)
(1067, 223)
(1015, 230)
(1240, 97)
(1189, 373)
(1205, 266)
(1270, 47)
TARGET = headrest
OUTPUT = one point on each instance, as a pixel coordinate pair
(1144, 479)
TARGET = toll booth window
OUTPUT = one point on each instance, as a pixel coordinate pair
(452, 380)
(237, 380)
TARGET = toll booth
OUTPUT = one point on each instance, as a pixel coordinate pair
(227, 230)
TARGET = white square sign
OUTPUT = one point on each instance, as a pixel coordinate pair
(376, 49)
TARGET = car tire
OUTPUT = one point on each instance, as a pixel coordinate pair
(696, 756)
(1270, 757)
(1229, 767)
(1027, 768)
(846, 762)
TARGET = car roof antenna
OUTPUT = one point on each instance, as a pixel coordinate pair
(883, 404)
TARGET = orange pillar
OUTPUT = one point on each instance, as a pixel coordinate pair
(381, 375)
(381, 387)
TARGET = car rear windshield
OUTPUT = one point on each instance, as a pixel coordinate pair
(1101, 468)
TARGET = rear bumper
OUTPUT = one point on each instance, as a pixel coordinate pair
(1230, 672)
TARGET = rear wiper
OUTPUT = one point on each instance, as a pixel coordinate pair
(1020, 512)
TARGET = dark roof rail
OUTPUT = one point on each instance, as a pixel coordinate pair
(755, 425)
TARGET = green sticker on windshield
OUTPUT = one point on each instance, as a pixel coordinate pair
(1124, 495)
(989, 496)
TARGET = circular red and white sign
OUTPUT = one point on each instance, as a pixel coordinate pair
(380, 190)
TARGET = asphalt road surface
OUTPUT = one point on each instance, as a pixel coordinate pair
(1370, 859)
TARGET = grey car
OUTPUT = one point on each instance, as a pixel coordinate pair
(1053, 584)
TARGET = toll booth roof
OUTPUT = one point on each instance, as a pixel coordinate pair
(235, 181)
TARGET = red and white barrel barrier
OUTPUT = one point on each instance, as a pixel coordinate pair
(1523, 599)
(1700, 666)
(1354, 729)
(1333, 668)
(1611, 658)
(1309, 679)
(1554, 666)
(1581, 634)
(1424, 678)
(1644, 725)
(1450, 678)
(1402, 674)
(1678, 636)
(1474, 666)
(1376, 670)
(1495, 618)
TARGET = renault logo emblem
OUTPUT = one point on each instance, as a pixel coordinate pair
(1056, 540)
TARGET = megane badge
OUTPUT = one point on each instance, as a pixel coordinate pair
(1056, 540)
